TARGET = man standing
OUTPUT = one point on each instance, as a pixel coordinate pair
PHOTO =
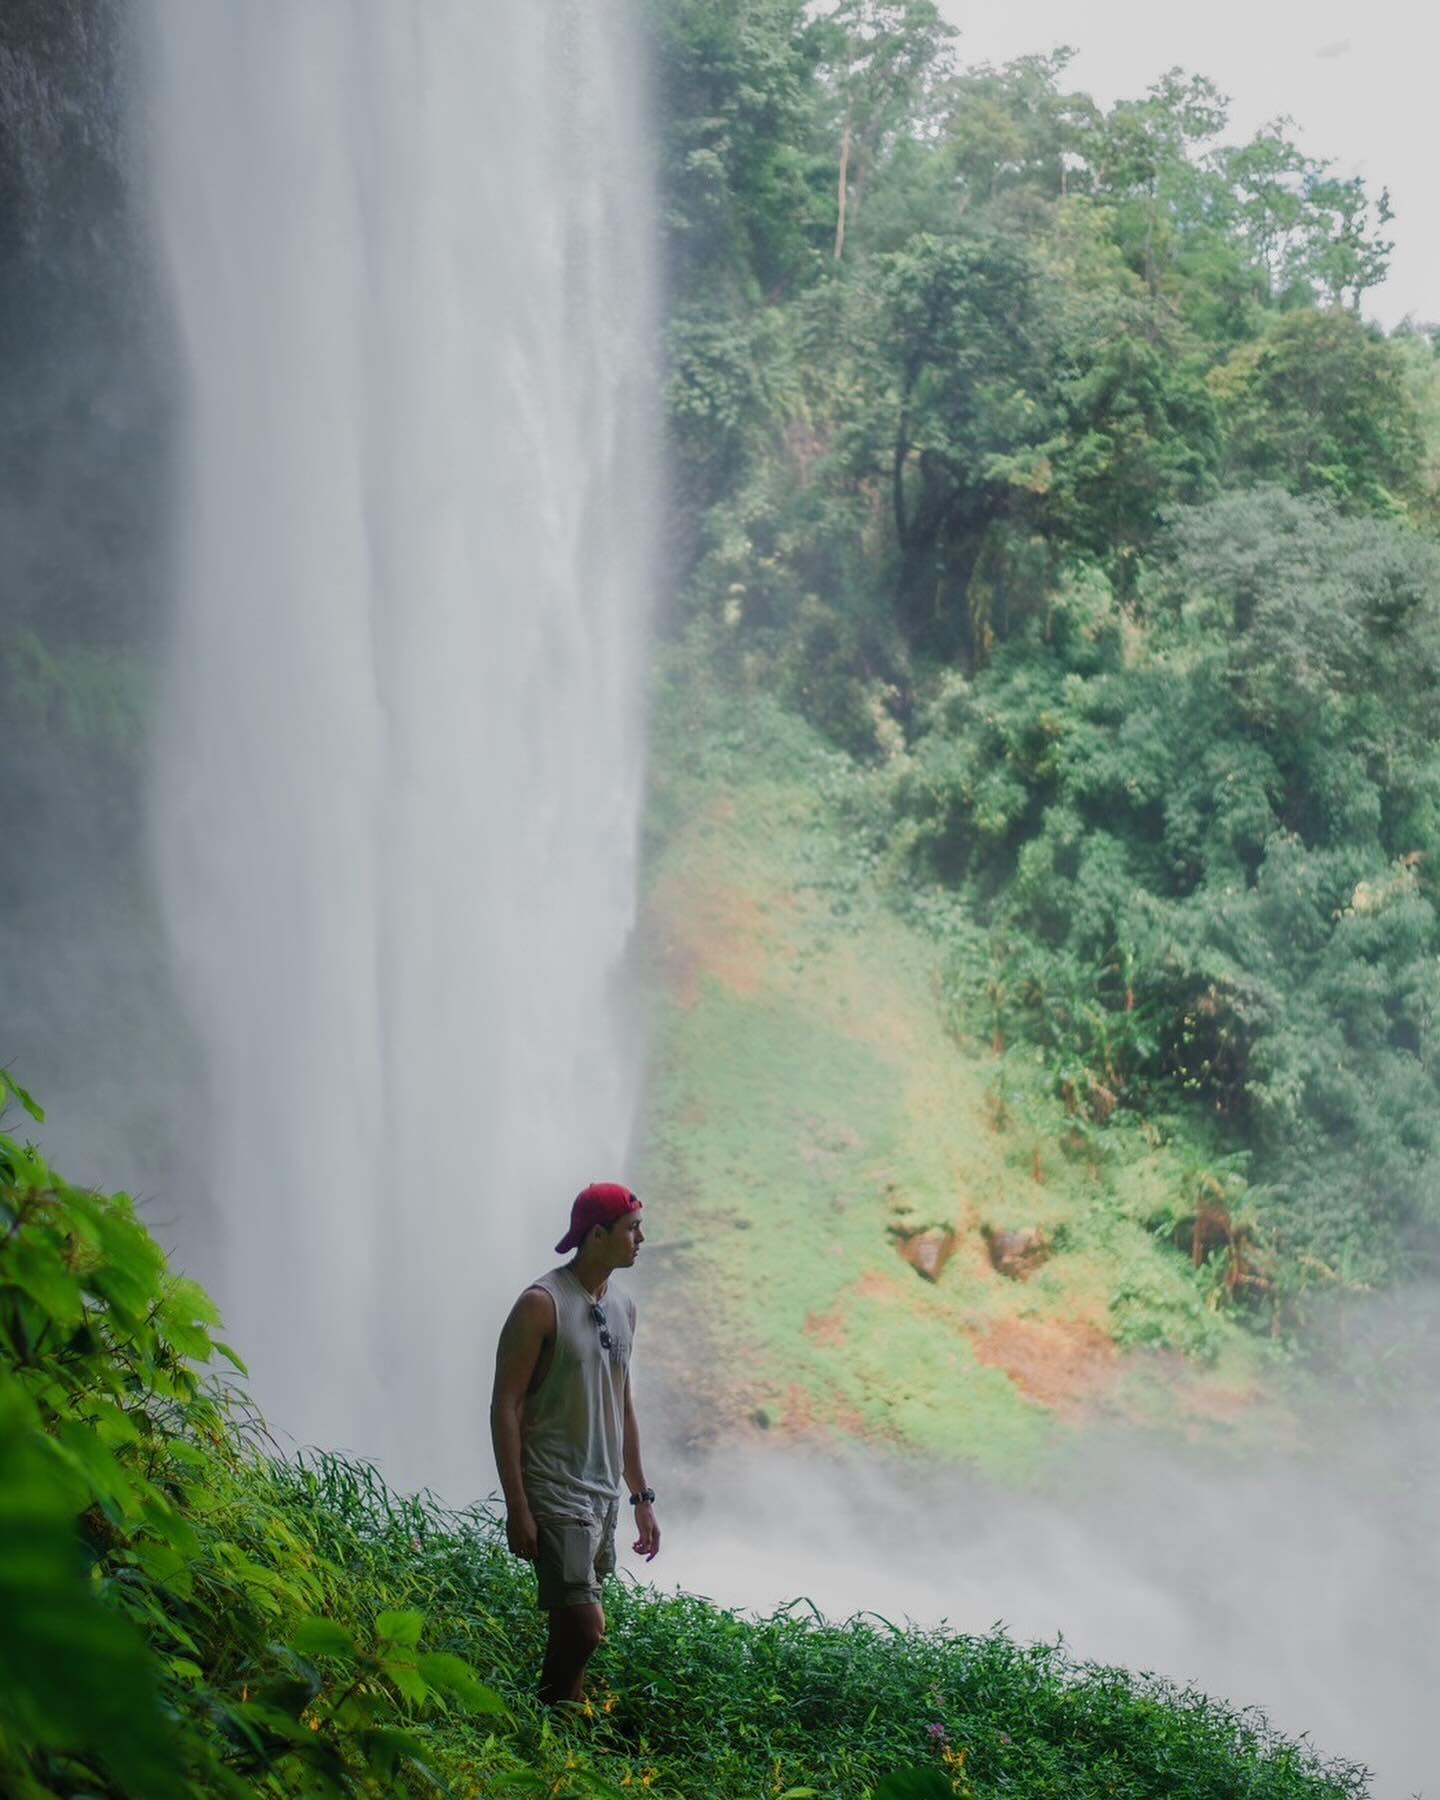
(563, 1425)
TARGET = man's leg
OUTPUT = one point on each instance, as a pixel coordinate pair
(575, 1632)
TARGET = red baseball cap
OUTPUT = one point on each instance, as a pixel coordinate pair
(602, 1203)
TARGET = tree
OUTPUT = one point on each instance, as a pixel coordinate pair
(1268, 179)
(744, 194)
(1321, 404)
(968, 367)
(1345, 255)
(1145, 159)
(883, 59)
(1011, 129)
(1037, 409)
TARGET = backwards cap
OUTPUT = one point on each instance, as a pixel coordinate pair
(602, 1203)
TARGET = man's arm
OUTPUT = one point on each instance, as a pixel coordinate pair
(522, 1340)
(648, 1542)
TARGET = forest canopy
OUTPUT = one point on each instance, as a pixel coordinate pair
(1042, 455)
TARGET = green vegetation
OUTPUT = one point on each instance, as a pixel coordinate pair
(1205, 857)
(1063, 487)
(813, 1124)
(1043, 858)
(184, 1615)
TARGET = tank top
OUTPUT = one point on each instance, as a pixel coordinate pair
(572, 1433)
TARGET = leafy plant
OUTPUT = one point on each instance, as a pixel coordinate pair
(186, 1616)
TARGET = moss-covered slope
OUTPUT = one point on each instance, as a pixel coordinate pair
(903, 1230)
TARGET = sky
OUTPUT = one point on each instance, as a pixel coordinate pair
(1360, 82)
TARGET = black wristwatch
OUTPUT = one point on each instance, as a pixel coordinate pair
(646, 1497)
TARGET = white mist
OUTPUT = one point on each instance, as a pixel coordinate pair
(398, 777)
(1302, 1582)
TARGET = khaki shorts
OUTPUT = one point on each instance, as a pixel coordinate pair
(575, 1556)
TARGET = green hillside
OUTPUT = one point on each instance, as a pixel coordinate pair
(900, 1233)
(1046, 803)
(185, 1616)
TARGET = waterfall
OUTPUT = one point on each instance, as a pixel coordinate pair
(397, 781)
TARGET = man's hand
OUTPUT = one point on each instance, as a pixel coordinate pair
(648, 1542)
(521, 1534)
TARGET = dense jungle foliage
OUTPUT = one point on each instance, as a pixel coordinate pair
(222, 1623)
(1042, 456)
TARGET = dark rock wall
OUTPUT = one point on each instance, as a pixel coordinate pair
(86, 444)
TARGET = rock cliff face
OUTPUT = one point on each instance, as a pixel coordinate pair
(85, 447)
(80, 394)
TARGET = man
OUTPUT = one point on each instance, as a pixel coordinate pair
(563, 1425)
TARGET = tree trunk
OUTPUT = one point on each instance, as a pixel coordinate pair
(1150, 281)
(902, 452)
(959, 621)
(938, 558)
(843, 185)
(897, 483)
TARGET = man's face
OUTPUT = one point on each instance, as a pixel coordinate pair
(626, 1237)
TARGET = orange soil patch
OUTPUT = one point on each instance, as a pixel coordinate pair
(874, 1284)
(797, 1411)
(849, 1420)
(804, 1414)
(826, 1328)
(720, 931)
(1062, 1364)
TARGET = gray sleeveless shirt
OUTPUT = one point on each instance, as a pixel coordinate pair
(572, 1432)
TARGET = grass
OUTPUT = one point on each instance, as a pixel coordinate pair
(187, 1617)
(809, 1105)
(690, 1700)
